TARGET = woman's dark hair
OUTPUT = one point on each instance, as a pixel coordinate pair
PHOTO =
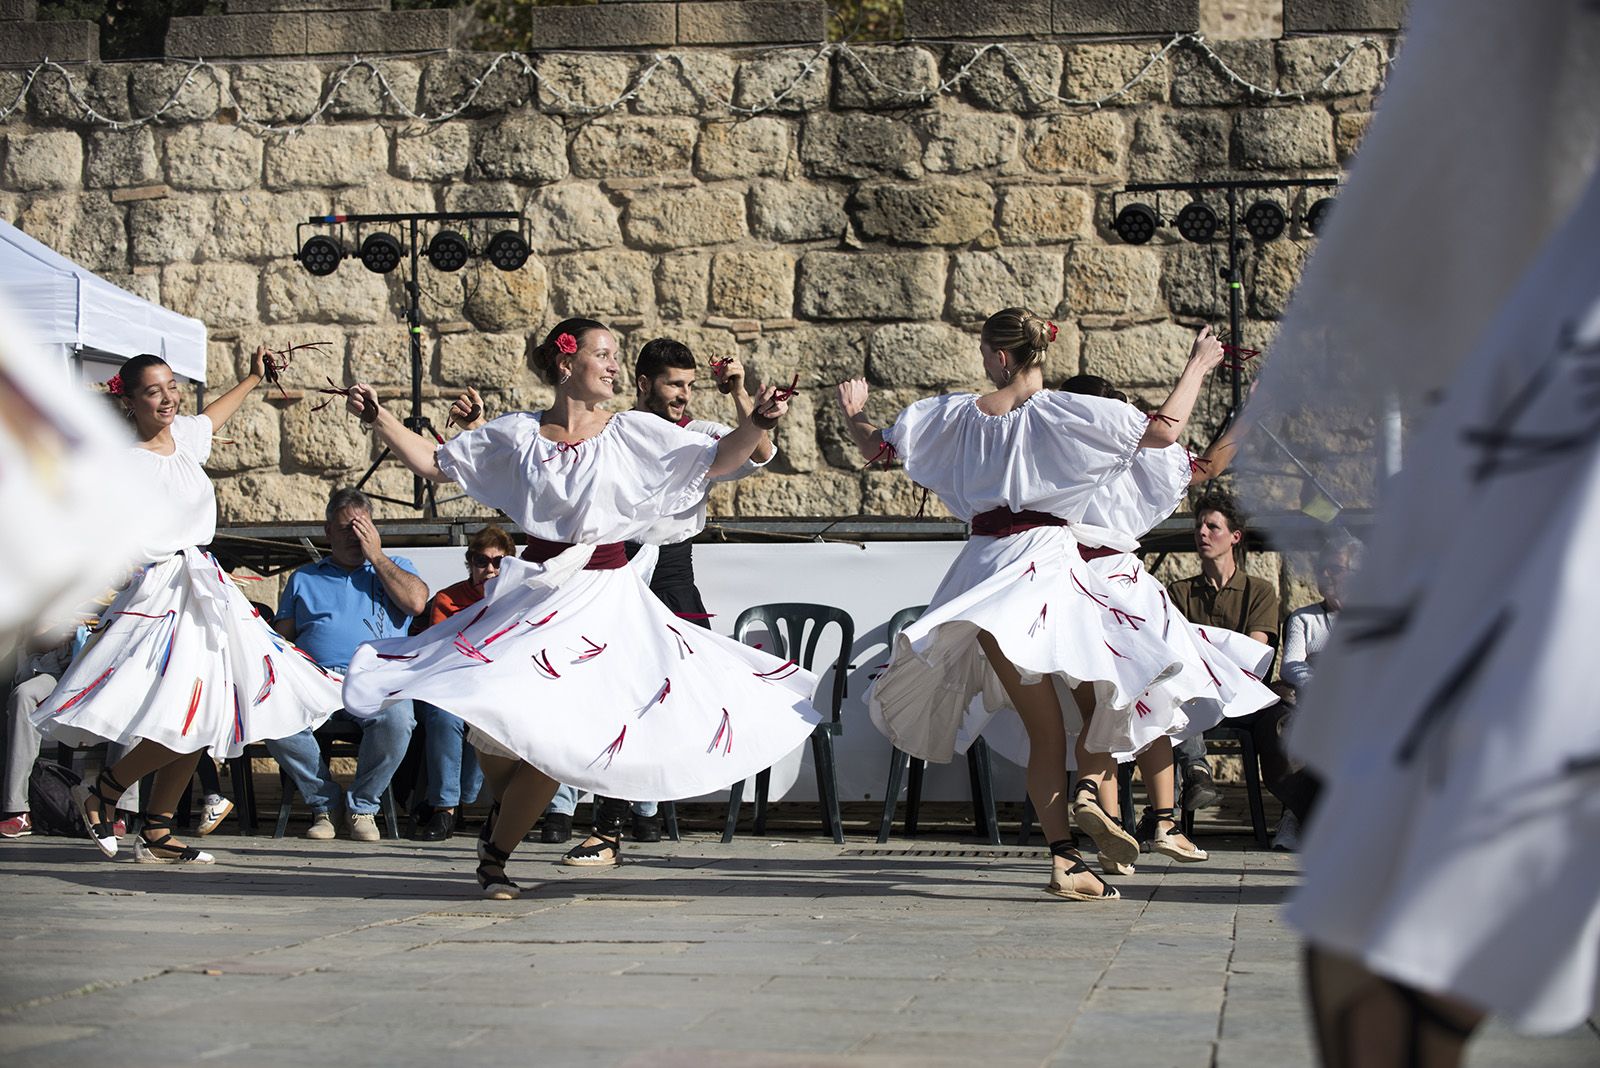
(1092, 386)
(1021, 333)
(129, 377)
(661, 353)
(547, 356)
(491, 537)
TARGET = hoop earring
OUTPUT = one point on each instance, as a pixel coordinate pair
(565, 374)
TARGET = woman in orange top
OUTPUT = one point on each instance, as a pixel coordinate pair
(452, 766)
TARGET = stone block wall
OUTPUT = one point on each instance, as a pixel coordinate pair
(821, 210)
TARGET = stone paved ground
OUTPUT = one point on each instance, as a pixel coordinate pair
(768, 952)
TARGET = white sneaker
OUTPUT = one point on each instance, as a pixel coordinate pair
(363, 827)
(212, 814)
(321, 829)
(1287, 840)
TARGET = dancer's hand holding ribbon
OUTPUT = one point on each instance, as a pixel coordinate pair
(467, 411)
(362, 401)
(771, 405)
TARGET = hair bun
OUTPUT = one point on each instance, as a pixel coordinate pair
(1040, 332)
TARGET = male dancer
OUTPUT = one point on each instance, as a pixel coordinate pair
(664, 377)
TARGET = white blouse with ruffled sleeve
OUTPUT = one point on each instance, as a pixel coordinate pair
(1151, 489)
(618, 485)
(186, 512)
(1049, 454)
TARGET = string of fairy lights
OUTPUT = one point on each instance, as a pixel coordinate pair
(660, 64)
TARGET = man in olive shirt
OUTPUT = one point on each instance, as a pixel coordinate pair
(1224, 597)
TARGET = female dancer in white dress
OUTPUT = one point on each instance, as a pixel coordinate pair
(1222, 670)
(1450, 864)
(1019, 621)
(571, 671)
(181, 663)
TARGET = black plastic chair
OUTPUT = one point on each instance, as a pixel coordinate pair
(984, 824)
(787, 624)
(1252, 781)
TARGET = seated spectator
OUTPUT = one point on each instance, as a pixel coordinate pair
(354, 594)
(1224, 597)
(450, 765)
(39, 667)
(1305, 635)
(1305, 632)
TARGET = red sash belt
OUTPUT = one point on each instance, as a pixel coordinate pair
(605, 558)
(1003, 522)
(1097, 552)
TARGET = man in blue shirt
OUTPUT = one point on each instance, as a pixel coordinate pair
(356, 593)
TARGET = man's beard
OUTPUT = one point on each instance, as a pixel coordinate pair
(654, 403)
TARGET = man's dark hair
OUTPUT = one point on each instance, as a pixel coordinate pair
(347, 497)
(1221, 502)
(661, 353)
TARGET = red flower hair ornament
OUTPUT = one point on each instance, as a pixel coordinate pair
(567, 343)
(1052, 328)
(114, 385)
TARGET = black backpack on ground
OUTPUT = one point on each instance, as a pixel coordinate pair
(50, 800)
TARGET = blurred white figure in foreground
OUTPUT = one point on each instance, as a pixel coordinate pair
(68, 489)
(1449, 868)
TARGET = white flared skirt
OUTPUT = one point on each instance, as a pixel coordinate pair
(1053, 617)
(182, 659)
(1221, 676)
(587, 676)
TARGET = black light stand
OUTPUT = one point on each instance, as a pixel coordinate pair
(1231, 274)
(423, 495)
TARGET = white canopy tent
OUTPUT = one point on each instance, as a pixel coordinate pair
(77, 313)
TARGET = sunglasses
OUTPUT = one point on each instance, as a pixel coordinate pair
(483, 560)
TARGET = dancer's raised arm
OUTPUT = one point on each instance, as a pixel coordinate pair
(412, 449)
(853, 402)
(1167, 422)
(1220, 453)
(734, 449)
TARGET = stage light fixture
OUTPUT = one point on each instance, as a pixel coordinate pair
(448, 251)
(507, 250)
(1317, 215)
(1264, 220)
(1136, 223)
(380, 253)
(320, 255)
(1197, 223)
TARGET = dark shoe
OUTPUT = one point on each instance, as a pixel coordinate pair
(557, 827)
(440, 826)
(646, 828)
(1199, 789)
